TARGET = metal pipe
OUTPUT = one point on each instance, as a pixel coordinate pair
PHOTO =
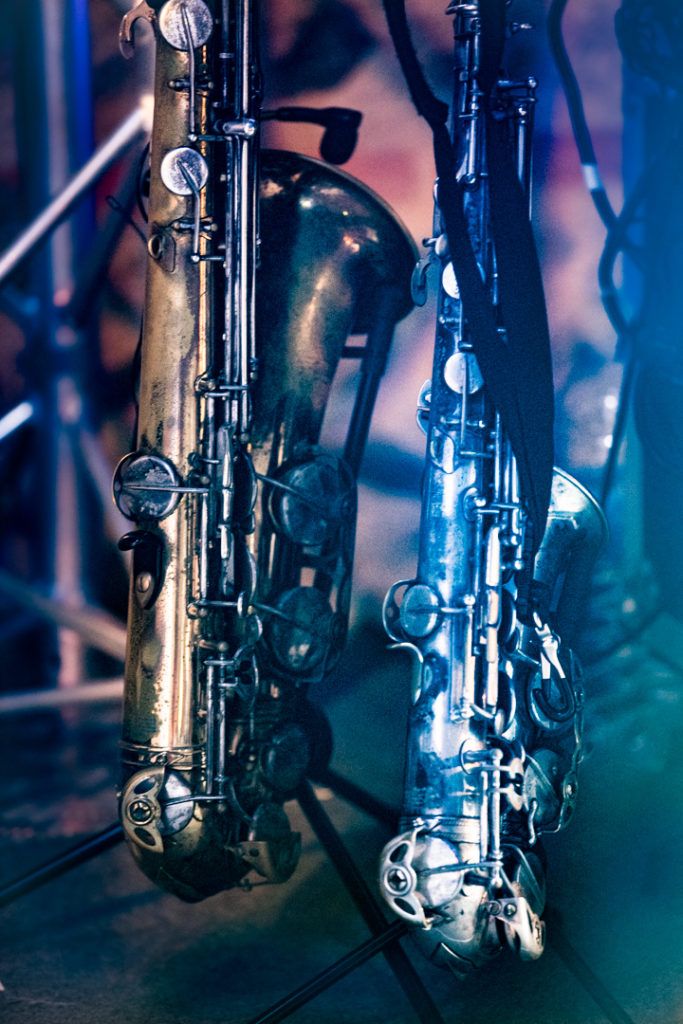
(15, 418)
(94, 626)
(137, 123)
(101, 690)
(78, 854)
(356, 958)
(403, 970)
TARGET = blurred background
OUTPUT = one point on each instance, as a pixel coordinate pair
(100, 942)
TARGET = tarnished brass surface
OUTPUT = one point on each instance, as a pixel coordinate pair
(326, 245)
(175, 351)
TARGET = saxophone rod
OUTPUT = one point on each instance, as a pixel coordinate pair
(79, 854)
(136, 124)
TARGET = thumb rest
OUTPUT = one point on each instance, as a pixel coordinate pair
(261, 264)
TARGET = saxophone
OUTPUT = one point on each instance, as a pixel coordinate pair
(260, 266)
(494, 733)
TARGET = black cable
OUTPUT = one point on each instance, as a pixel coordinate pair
(617, 239)
(620, 420)
(143, 183)
(584, 142)
(616, 242)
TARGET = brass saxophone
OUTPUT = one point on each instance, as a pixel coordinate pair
(260, 266)
(494, 735)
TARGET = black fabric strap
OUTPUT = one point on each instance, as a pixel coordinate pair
(516, 369)
(522, 303)
(432, 109)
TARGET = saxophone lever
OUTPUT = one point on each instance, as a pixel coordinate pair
(127, 29)
(555, 696)
(550, 646)
(524, 930)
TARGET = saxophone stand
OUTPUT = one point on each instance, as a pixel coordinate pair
(385, 936)
(67, 455)
(53, 306)
(107, 635)
(103, 632)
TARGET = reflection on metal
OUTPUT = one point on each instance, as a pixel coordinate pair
(16, 418)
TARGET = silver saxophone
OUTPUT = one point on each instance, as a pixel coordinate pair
(495, 727)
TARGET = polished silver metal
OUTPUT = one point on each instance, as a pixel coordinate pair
(184, 171)
(185, 24)
(494, 736)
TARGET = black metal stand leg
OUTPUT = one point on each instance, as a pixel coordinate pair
(558, 941)
(84, 851)
(405, 973)
(353, 794)
(334, 973)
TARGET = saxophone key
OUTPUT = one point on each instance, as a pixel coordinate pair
(184, 171)
(420, 611)
(185, 24)
(146, 487)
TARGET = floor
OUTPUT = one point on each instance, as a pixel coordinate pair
(101, 944)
